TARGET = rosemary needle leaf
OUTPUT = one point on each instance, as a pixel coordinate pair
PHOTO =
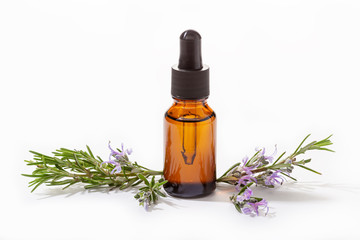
(309, 169)
(142, 177)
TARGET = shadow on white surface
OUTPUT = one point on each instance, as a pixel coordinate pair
(55, 192)
(78, 189)
(288, 192)
(172, 202)
(308, 191)
(292, 191)
(313, 185)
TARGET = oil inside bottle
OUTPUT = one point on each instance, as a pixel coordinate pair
(190, 128)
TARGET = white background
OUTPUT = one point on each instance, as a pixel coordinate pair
(85, 72)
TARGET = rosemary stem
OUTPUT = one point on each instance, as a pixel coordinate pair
(149, 172)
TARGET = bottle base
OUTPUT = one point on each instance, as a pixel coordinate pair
(189, 190)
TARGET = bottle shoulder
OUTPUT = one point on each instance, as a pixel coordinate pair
(190, 112)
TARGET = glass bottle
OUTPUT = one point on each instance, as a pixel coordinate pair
(190, 125)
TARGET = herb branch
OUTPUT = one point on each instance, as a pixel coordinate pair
(67, 167)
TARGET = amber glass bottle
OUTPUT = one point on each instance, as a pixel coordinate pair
(190, 141)
(190, 125)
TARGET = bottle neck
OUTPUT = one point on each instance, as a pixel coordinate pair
(190, 102)
(194, 109)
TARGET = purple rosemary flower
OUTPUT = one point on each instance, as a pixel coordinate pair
(250, 205)
(245, 180)
(129, 151)
(146, 205)
(246, 195)
(114, 153)
(146, 201)
(246, 210)
(111, 161)
(247, 170)
(274, 178)
(262, 154)
(253, 207)
(117, 167)
(118, 156)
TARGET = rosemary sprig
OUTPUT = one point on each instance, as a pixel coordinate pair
(68, 167)
(148, 195)
(232, 175)
(260, 170)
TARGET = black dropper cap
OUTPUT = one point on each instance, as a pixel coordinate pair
(190, 79)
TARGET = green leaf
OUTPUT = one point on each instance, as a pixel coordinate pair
(144, 179)
(325, 142)
(160, 193)
(279, 165)
(58, 167)
(237, 206)
(90, 186)
(68, 185)
(160, 184)
(244, 188)
(37, 185)
(124, 173)
(128, 184)
(279, 158)
(152, 181)
(137, 183)
(99, 159)
(309, 169)
(326, 149)
(78, 163)
(90, 152)
(61, 182)
(250, 161)
(288, 176)
(307, 160)
(301, 143)
(154, 197)
(30, 175)
(302, 162)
